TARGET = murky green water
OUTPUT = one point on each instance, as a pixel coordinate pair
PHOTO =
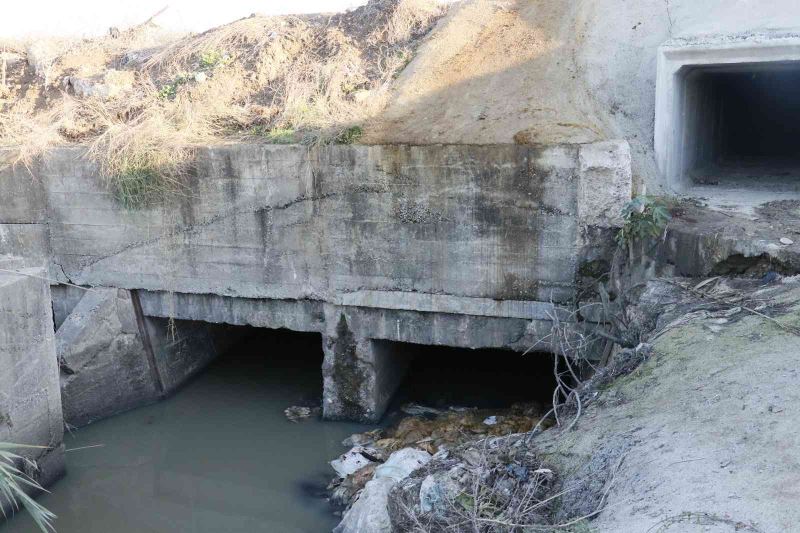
(218, 457)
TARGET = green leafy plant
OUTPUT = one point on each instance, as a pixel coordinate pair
(350, 135)
(645, 217)
(275, 135)
(13, 483)
(170, 90)
(213, 58)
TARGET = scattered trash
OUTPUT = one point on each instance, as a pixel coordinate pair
(770, 277)
(415, 409)
(490, 420)
(351, 462)
(786, 241)
(297, 413)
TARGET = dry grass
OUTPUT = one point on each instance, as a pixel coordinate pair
(141, 104)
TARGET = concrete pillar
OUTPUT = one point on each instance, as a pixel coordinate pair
(360, 375)
(30, 401)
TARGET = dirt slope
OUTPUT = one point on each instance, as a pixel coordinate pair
(706, 431)
(493, 70)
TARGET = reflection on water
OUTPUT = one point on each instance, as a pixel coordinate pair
(219, 456)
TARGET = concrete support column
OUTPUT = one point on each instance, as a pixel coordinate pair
(360, 375)
(30, 401)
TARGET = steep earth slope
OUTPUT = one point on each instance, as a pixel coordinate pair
(705, 432)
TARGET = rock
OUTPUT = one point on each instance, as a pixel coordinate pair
(363, 439)
(111, 84)
(347, 489)
(351, 461)
(438, 490)
(402, 463)
(415, 409)
(370, 511)
(786, 241)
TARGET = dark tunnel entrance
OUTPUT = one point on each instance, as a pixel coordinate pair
(442, 377)
(742, 124)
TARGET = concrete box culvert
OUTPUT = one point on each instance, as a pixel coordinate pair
(727, 113)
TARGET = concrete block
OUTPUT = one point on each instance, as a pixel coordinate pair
(104, 365)
(65, 298)
(606, 183)
(30, 400)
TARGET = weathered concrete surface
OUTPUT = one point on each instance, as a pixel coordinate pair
(448, 245)
(30, 402)
(359, 375)
(113, 358)
(493, 222)
(181, 349)
(23, 215)
(104, 366)
(700, 241)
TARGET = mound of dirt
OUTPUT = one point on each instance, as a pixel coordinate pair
(495, 71)
(703, 436)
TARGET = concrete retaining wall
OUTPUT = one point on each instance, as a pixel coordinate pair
(340, 223)
(30, 402)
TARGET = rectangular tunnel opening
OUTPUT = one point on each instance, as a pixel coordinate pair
(443, 377)
(741, 125)
(276, 362)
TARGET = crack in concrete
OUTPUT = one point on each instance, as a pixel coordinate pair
(669, 17)
(192, 229)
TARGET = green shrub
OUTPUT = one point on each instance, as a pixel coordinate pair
(170, 90)
(211, 59)
(137, 186)
(350, 135)
(276, 135)
(645, 217)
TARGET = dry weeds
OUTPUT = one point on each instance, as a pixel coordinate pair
(140, 99)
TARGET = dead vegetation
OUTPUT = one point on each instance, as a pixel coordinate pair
(141, 99)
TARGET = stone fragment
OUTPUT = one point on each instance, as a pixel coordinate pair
(370, 512)
(401, 463)
(111, 84)
(351, 461)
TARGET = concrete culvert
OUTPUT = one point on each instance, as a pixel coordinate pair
(742, 122)
(440, 377)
